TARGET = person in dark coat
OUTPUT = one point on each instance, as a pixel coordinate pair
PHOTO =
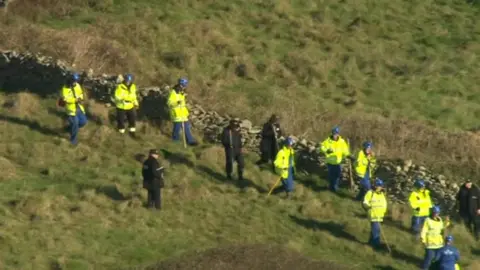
(468, 201)
(153, 180)
(232, 142)
(269, 148)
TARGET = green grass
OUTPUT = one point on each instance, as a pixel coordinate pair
(403, 59)
(304, 60)
(81, 208)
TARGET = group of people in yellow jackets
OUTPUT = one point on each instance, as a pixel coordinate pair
(126, 103)
(426, 223)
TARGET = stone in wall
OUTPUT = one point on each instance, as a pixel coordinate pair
(45, 75)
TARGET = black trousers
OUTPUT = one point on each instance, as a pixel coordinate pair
(269, 150)
(232, 155)
(154, 198)
(131, 116)
(472, 222)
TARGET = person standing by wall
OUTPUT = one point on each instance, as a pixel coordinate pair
(72, 98)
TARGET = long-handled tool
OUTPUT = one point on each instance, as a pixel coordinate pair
(231, 147)
(384, 239)
(184, 131)
(350, 168)
(273, 187)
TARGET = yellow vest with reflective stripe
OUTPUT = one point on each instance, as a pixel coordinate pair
(178, 107)
(422, 200)
(377, 203)
(282, 161)
(339, 148)
(126, 97)
(432, 233)
(70, 98)
(363, 161)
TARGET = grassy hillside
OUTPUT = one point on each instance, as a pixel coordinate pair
(364, 65)
(81, 208)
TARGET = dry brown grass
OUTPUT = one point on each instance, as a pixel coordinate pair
(23, 104)
(7, 169)
(252, 257)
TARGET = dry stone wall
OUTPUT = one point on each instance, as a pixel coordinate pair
(44, 76)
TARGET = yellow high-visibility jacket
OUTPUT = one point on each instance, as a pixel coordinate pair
(70, 96)
(377, 204)
(422, 200)
(178, 107)
(363, 162)
(282, 161)
(432, 233)
(339, 148)
(126, 97)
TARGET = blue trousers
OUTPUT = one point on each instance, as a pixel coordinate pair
(334, 174)
(76, 122)
(374, 240)
(365, 186)
(177, 127)
(429, 256)
(288, 184)
(417, 225)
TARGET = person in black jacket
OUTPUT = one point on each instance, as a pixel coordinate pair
(232, 142)
(271, 132)
(468, 201)
(153, 180)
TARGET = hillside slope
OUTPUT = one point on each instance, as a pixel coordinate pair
(382, 70)
(81, 208)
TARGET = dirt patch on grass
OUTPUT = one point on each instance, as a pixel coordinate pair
(251, 257)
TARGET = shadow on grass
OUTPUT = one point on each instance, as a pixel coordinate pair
(112, 192)
(396, 223)
(34, 125)
(175, 158)
(335, 229)
(221, 178)
(90, 117)
(385, 267)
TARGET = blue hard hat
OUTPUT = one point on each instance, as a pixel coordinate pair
(436, 209)
(75, 77)
(419, 183)
(183, 82)
(289, 141)
(449, 238)
(367, 145)
(128, 77)
(378, 182)
(335, 130)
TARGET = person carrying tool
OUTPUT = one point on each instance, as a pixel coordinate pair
(232, 142)
(448, 256)
(179, 112)
(468, 201)
(375, 202)
(271, 132)
(72, 98)
(432, 235)
(127, 103)
(421, 203)
(153, 180)
(285, 165)
(365, 165)
(336, 150)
